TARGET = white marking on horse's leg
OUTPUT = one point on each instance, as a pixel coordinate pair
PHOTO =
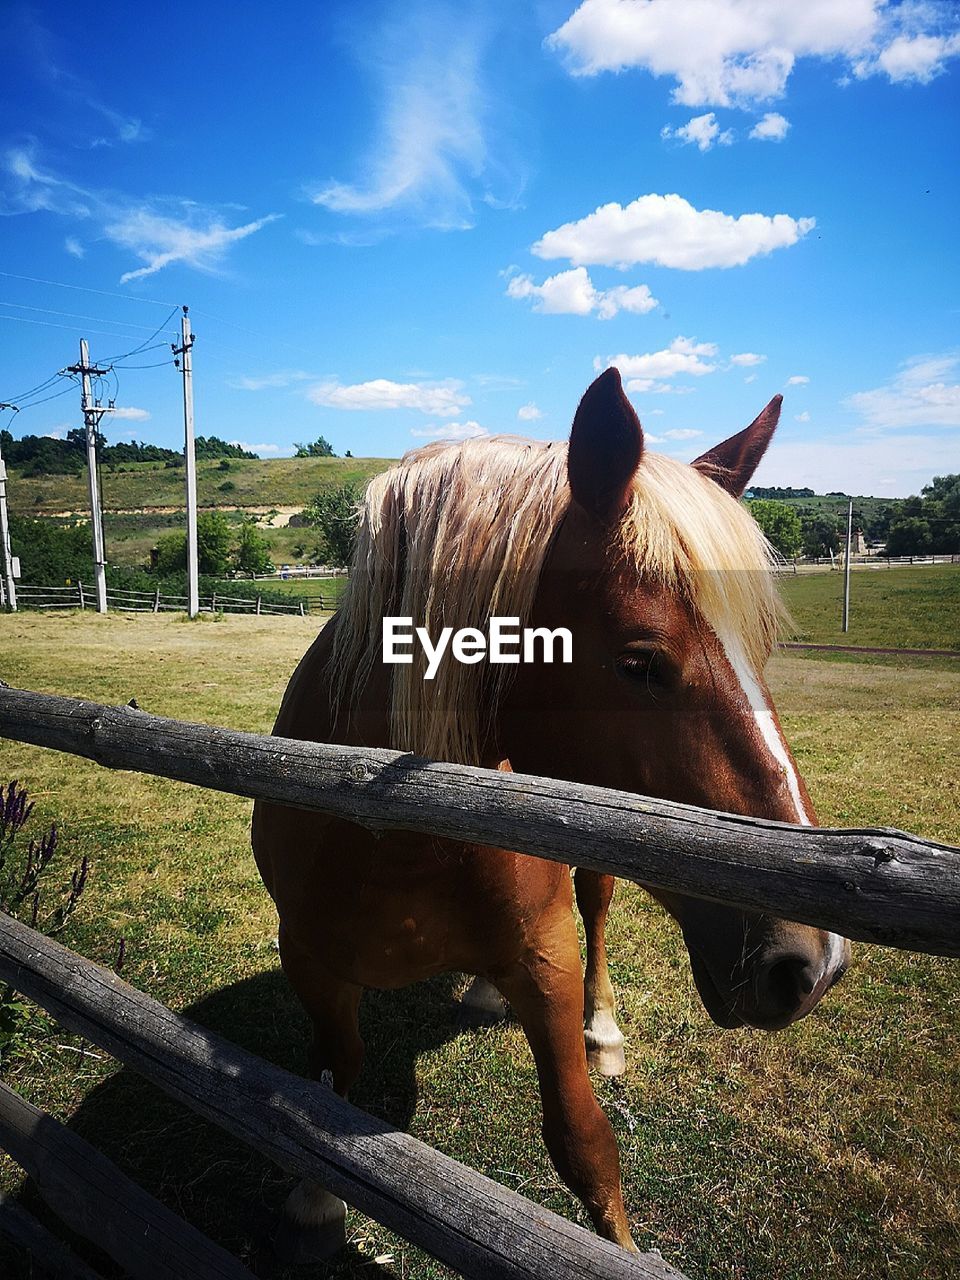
(604, 1041)
(770, 735)
(483, 999)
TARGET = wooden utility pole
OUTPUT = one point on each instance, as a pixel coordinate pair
(184, 354)
(846, 569)
(9, 583)
(91, 420)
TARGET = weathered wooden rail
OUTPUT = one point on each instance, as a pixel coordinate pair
(878, 885)
(481, 1229)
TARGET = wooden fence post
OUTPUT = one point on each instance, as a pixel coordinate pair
(258, 605)
(213, 603)
(80, 591)
(156, 601)
(302, 614)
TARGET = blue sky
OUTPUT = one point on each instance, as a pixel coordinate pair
(398, 222)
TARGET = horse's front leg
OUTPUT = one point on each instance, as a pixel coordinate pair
(545, 991)
(604, 1039)
(313, 1226)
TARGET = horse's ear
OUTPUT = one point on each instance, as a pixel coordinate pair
(606, 444)
(732, 463)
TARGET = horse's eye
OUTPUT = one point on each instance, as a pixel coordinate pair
(646, 667)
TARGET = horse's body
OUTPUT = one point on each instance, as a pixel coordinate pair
(663, 582)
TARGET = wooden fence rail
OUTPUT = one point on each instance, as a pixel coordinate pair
(881, 885)
(481, 1229)
(125, 600)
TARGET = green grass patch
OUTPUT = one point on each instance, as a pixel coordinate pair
(899, 608)
(830, 1148)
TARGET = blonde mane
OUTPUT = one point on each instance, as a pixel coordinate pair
(457, 533)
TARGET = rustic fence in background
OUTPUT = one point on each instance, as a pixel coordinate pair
(82, 596)
(878, 885)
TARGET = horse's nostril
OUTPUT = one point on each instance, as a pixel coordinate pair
(785, 984)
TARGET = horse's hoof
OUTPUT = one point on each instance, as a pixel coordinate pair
(482, 1003)
(606, 1060)
(296, 1245)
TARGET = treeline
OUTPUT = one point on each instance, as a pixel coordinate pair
(772, 491)
(43, 455)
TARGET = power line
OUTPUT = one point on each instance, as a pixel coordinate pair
(104, 293)
(144, 345)
(73, 315)
(72, 328)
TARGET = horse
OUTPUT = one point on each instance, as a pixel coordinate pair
(664, 581)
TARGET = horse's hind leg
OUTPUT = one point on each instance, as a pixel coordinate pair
(482, 1002)
(313, 1224)
(604, 1039)
(544, 988)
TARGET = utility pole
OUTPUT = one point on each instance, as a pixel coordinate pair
(184, 354)
(846, 569)
(9, 584)
(91, 420)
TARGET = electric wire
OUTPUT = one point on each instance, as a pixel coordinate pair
(104, 293)
(74, 315)
(144, 345)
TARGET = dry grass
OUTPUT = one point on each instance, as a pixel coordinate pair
(828, 1148)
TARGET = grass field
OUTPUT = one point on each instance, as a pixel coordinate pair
(827, 1149)
(904, 608)
(256, 483)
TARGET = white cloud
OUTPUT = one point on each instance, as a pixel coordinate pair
(883, 466)
(683, 356)
(74, 247)
(199, 240)
(919, 396)
(772, 128)
(440, 399)
(723, 53)
(802, 417)
(670, 232)
(747, 359)
(431, 159)
(131, 414)
(573, 293)
(159, 233)
(917, 57)
(529, 412)
(798, 380)
(451, 431)
(261, 449)
(703, 131)
(282, 378)
(682, 433)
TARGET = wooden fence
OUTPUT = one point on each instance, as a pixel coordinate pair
(83, 596)
(878, 885)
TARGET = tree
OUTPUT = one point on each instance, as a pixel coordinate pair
(319, 449)
(213, 547)
(820, 535)
(909, 536)
(336, 514)
(780, 524)
(250, 554)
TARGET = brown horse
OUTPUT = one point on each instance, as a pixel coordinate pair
(664, 582)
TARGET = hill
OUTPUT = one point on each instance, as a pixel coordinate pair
(254, 484)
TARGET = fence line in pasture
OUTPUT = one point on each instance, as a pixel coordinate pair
(470, 1222)
(872, 885)
(82, 596)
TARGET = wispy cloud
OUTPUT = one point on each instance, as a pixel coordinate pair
(73, 246)
(919, 396)
(271, 381)
(798, 380)
(131, 414)
(529, 412)
(198, 240)
(431, 159)
(157, 232)
(747, 359)
(683, 356)
(439, 399)
(573, 293)
(669, 231)
(450, 431)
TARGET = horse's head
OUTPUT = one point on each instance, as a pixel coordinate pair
(663, 579)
